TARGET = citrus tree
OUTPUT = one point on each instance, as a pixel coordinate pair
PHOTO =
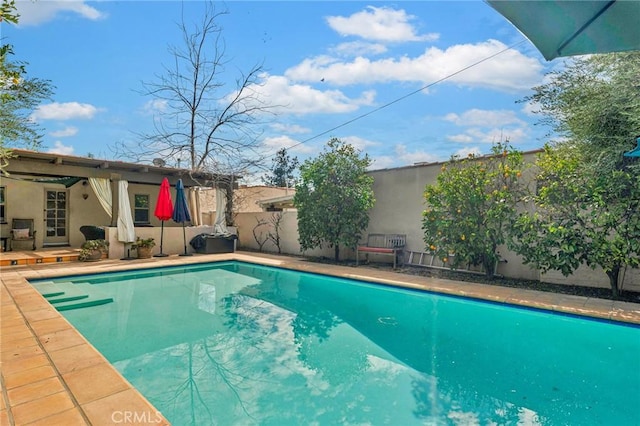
(588, 196)
(471, 206)
(581, 218)
(334, 198)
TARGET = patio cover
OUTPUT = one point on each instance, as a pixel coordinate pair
(567, 28)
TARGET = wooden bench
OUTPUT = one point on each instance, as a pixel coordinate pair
(385, 244)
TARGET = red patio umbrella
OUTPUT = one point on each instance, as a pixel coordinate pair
(164, 210)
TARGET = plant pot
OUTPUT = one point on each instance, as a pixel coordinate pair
(94, 256)
(144, 252)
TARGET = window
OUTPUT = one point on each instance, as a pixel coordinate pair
(141, 209)
(3, 204)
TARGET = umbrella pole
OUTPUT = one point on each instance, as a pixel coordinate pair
(161, 254)
(184, 236)
(127, 254)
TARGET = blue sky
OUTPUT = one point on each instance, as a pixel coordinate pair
(328, 62)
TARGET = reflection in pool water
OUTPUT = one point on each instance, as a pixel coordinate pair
(234, 343)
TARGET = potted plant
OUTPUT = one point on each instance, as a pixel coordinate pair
(93, 250)
(144, 246)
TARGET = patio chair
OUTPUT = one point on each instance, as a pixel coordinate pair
(92, 232)
(22, 230)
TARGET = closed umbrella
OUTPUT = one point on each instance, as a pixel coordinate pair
(126, 230)
(164, 210)
(181, 212)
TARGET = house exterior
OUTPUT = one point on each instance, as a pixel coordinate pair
(247, 199)
(56, 192)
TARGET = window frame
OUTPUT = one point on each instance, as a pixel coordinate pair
(137, 209)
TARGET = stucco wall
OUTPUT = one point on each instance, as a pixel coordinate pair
(399, 206)
(172, 239)
(26, 200)
(398, 209)
(246, 222)
(16, 191)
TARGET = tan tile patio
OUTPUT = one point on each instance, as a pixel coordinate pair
(52, 375)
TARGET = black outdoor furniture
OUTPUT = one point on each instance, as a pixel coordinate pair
(211, 243)
(92, 232)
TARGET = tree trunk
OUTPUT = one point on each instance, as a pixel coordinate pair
(489, 265)
(613, 281)
(229, 205)
(489, 268)
(337, 253)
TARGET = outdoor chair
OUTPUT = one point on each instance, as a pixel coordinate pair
(22, 230)
(91, 232)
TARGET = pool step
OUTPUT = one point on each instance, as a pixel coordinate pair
(67, 295)
(66, 306)
(63, 299)
(48, 289)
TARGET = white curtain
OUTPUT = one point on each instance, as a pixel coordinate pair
(126, 230)
(220, 224)
(102, 189)
(194, 206)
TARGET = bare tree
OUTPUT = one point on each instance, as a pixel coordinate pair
(274, 237)
(259, 236)
(199, 118)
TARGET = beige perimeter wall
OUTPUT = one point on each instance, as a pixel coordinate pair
(398, 209)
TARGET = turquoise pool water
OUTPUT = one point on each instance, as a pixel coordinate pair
(236, 344)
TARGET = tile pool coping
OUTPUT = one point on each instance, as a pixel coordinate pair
(52, 375)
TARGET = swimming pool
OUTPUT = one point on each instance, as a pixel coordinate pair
(235, 343)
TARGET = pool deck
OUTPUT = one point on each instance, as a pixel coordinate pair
(52, 376)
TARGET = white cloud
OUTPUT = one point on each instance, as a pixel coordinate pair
(64, 111)
(274, 144)
(358, 48)
(379, 23)
(154, 106)
(531, 108)
(406, 157)
(510, 71)
(359, 143)
(477, 135)
(303, 99)
(60, 148)
(485, 118)
(403, 157)
(460, 138)
(64, 133)
(487, 126)
(382, 162)
(289, 128)
(464, 152)
(38, 12)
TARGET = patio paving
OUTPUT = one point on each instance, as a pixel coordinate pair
(52, 375)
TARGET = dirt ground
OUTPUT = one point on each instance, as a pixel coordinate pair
(600, 293)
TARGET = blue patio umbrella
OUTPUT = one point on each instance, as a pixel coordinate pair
(181, 212)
